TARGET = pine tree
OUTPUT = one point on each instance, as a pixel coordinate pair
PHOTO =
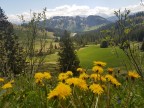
(68, 60)
(11, 54)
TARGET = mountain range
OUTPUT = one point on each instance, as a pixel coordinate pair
(77, 23)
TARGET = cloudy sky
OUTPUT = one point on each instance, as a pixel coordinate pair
(104, 8)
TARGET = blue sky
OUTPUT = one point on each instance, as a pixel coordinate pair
(103, 8)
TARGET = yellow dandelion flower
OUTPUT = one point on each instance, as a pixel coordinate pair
(62, 76)
(7, 85)
(82, 85)
(95, 76)
(98, 77)
(39, 75)
(72, 81)
(112, 80)
(52, 94)
(84, 76)
(110, 70)
(96, 89)
(77, 82)
(38, 78)
(1, 79)
(133, 74)
(39, 81)
(81, 70)
(99, 63)
(109, 77)
(97, 69)
(103, 79)
(69, 73)
(115, 82)
(46, 75)
(61, 91)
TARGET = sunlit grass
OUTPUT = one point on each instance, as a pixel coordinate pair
(94, 52)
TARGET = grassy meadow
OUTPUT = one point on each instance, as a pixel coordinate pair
(101, 88)
(95, 53)
(87, 55)
(92, 53)
(100, 84)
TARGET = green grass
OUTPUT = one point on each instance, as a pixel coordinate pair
(52, 58)
(94, 53)
(47, 44)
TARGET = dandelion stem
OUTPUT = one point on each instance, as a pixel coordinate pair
(53, 103)
(73, 101)
(108, 96)
(96, 104)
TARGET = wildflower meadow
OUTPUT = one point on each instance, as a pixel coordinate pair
(99, 88)
(71, 54)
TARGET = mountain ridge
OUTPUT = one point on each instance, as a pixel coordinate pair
(75, 23)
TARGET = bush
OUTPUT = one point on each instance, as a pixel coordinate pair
(104, 44)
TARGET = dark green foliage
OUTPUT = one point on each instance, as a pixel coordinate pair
(137, 33)
(104, 44)
(142, 47)
(68, 60)
(11, 54)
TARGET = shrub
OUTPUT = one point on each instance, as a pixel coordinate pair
(104, 44)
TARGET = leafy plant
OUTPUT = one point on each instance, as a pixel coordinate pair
(131, 49)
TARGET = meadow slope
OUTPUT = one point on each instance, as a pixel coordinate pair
(92, 53)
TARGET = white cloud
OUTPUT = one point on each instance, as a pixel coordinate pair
(17, 18)
(67, 10)
(13, 18)
(73, 10)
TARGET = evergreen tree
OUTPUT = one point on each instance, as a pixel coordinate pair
(11, 54)
(68, 60)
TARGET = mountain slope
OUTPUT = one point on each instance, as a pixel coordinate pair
(75, 24)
